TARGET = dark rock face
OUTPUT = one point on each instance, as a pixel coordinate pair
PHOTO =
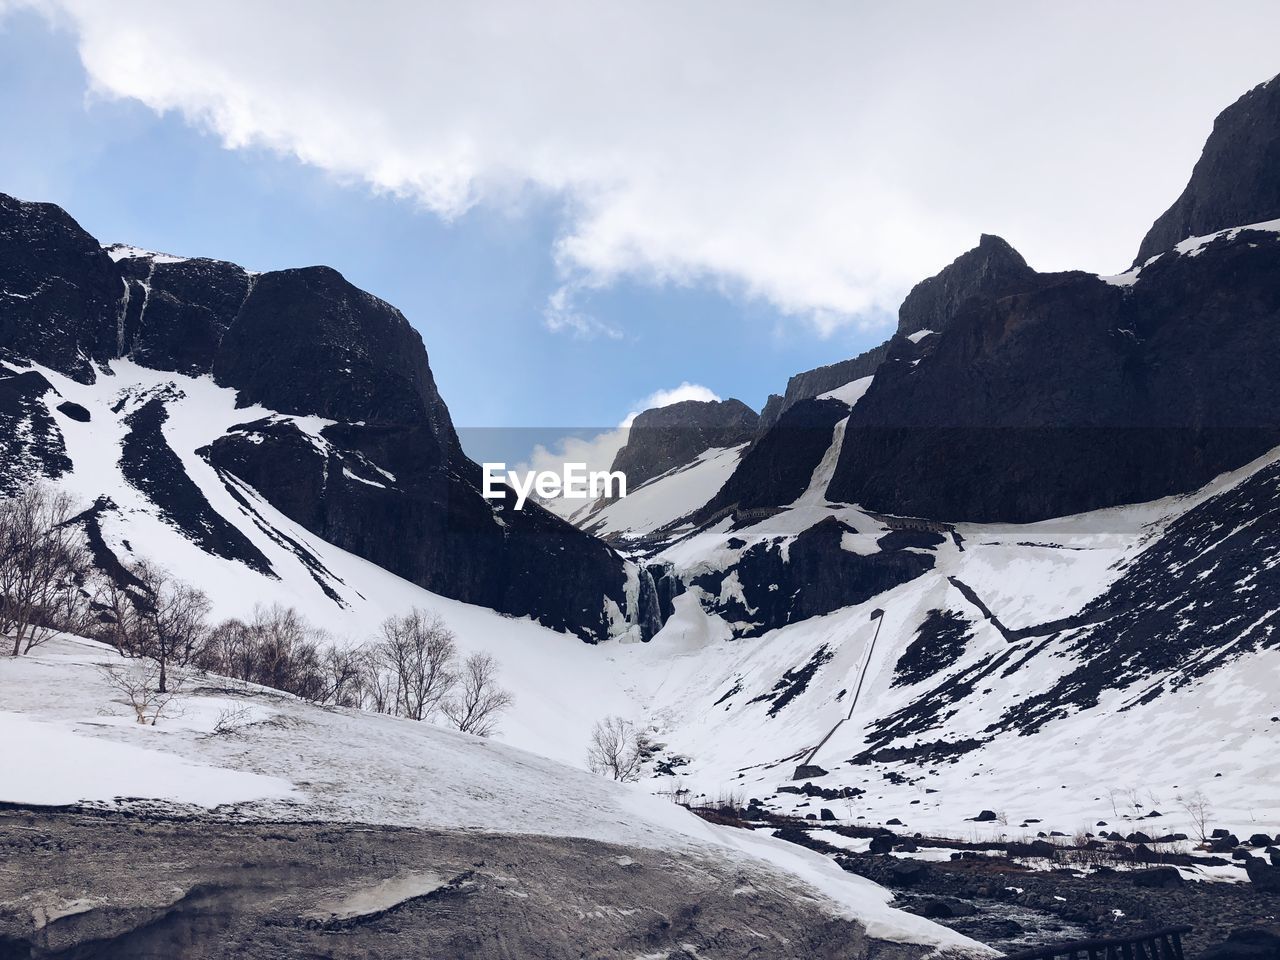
(178, 312)
(813, 383)
(344, 354)
(816, 576)
(991, 270)
(778, 467)
(382, 493)
(1078, 394)
(1235, 182)
(388, 481)
(31, 445)
(1251, 943)
(151, 465)
(668, 437)
(939, 644)
(60, 294)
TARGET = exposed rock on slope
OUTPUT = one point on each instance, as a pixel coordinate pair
(1078, 394)
(991, 270)
(1236, 180)
(668, 437)
(815, 382)
(779, 466)
(60, 294)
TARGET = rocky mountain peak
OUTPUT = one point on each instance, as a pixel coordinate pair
(664, 438)
(992, 269)
(1235, 182)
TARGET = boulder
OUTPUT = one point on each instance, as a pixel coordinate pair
(1160, 878)
(1252, 943)
(1263, 875)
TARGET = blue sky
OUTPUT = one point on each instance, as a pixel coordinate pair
(475, 288)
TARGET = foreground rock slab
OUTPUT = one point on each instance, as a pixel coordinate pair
(79, 885)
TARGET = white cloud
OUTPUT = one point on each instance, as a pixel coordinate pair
(665, 398)
(822, 157)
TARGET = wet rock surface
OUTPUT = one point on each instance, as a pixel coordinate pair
(1004, 903)
(78, 885)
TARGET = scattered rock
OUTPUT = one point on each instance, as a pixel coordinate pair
(882, 843)
(1160, 878)
(945, 908)
(1253, 943)
(1265, 876)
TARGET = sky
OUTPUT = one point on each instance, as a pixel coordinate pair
(588, 208)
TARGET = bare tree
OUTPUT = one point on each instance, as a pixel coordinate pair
(1198, 809)
(174, 616)
(616, 749)
(116, 619)
(343, 669)
(476, 706)
(419, 651)
(378, 685)
(43, 567)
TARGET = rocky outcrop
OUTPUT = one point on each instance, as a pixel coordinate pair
(811, 575)
(1235, 182)
(31, 445)
(668, 437)
(820, 380)
(384, 478)
(1078, 394)
(991, 270)
(60, 294)
(779, 466)
(176, 312)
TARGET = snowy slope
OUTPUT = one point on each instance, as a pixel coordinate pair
(344, 594)
(665, 499)
(61, 731)
(940, 734)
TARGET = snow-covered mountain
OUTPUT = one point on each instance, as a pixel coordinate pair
(1023, 557)
(329, 411)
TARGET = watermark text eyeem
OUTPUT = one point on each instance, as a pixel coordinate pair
(574, 482)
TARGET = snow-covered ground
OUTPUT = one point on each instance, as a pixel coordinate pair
(65, 738)
(666, 498)
(1214, 736)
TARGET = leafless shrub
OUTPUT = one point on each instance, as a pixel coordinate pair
(277, 647)
(43, 568)
(232, 720)
(140, 687)
(616, 749)
(479, 701)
